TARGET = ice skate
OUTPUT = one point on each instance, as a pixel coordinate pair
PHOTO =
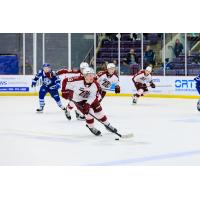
(94, 131)
(198, 105)
(40, 110)
(79, 116)
(67, 114)
(111, 128)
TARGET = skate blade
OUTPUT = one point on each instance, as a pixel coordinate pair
(79, 119)
(39, 112)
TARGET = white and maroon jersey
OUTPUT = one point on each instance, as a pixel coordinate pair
(106, 80)
(66, 71)
(82, 90)
(140, 77)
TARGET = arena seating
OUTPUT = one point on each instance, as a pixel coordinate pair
(179, 66)
(109, 52)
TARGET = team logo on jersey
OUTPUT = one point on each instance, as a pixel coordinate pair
(84, 93)
(143, 78)
(106, 83)
(47, 81)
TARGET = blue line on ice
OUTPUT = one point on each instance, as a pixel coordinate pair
(148, 158)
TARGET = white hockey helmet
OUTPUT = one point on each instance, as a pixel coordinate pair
(83, 65)
(149, 69)
(111, 65)
(88, 70)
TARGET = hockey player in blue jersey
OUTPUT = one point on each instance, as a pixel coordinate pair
(197, 79)
(50, 83)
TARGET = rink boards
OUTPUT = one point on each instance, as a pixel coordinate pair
(167, 86)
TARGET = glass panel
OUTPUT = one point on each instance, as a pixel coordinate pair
(39, 50)
(175, 54)
(107, 50)
(11, 53)
(56, 49)
(82, 49)
(193, 54)
(130, 53)
(153, 52)
(29, 53)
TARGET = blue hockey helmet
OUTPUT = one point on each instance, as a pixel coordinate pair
(46, 65)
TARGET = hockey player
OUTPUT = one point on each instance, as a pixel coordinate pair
(107, 78)
(68, 94)
(197, 79)
(86, 91)
(142, 80)
(50, 83)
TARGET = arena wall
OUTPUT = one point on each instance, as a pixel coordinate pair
(166, 86)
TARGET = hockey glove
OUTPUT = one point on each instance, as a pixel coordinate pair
(144, 85)
(67, 94)
(86, 108)
(33, 83)
(117, 89)
(139, 85)
(152, 85)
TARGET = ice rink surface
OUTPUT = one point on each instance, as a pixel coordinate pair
(166, 132)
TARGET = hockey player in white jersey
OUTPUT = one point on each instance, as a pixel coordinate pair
(85, 94)
(142, 80)
(67, 94)
(108, 78)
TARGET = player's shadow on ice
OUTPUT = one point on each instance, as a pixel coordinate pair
(187, 120)
(105, 140)
(146, 105)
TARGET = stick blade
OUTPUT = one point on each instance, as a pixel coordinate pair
(130, 135)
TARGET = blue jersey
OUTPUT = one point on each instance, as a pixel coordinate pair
(49, 80)
(197, 79)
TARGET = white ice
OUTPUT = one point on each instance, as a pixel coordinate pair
(166, 132)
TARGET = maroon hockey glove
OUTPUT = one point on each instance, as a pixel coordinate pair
(144, 85)
(139, 85)
(86, 108)
(117, 89)
(64, 94)
(67, 94)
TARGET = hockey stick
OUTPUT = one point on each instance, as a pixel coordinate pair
(121, 136)
(160, 86)
(163, 85)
